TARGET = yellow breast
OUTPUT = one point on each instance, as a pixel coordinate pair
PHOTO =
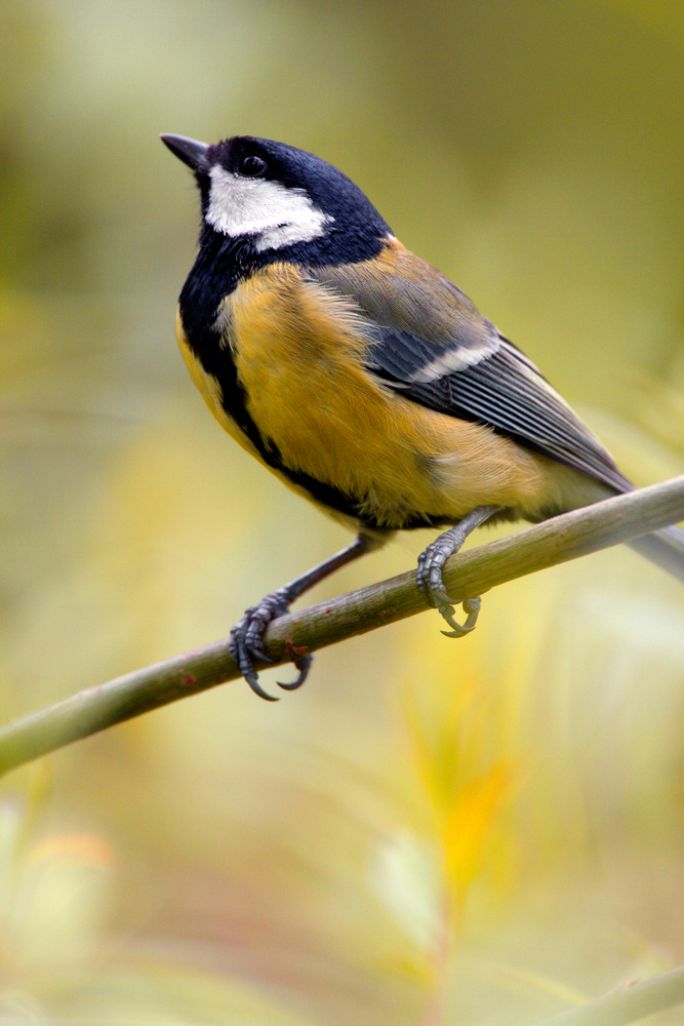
(300, 353)
(212, 393)
(299, 349)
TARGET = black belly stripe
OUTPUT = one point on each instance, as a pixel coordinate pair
(200, 299)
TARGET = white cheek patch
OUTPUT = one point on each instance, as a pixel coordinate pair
(254, 206)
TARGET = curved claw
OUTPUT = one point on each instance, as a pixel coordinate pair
(303, 665)
(243, 658)
(247, 643)
(253, 681)
(471, 607)
(431, 563)
(430, 581)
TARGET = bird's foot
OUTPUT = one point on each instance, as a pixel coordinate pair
(247, 642)
(431, 582)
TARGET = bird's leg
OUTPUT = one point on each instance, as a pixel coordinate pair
(247, 637)
(430, 565)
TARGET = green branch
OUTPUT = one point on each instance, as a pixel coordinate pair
(628, 1005)
(467, 574)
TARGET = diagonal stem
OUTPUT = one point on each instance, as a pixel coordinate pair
(466, 575)
(630, 1004)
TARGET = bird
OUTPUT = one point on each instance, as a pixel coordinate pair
(365, 379)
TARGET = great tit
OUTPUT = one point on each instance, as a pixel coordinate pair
(365, 379)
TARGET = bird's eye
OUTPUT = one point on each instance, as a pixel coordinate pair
(252, 166)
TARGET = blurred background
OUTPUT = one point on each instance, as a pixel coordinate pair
(430, 831)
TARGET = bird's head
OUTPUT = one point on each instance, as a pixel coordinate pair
(277, 198)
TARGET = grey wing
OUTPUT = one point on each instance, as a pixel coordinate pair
(429, 343)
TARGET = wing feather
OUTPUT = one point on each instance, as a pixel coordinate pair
(428, 341)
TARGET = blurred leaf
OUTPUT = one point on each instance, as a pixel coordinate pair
(406, 876)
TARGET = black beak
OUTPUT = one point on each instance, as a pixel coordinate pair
(190, 151)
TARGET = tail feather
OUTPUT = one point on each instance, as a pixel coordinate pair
(665, 548)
